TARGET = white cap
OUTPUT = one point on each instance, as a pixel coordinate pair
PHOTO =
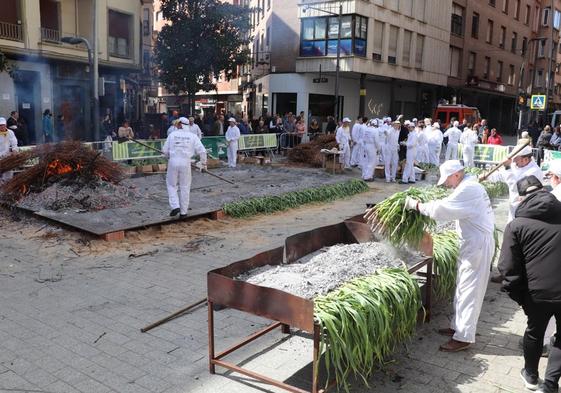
(232, 119)
(449, 168)
(555, 168)
(436, 125)
(414, 120)
(3, 121)
(406, 123)
(183, 120)
(526, 151)
(524, 134)
(396, 122)
(373, 122)
(456, 123)
(346, 120)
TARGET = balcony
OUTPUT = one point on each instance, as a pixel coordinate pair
(10, 31)
(50, 35)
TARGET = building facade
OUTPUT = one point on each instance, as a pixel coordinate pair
(51, 74)
(393, 57)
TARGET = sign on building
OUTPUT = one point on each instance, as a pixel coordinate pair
(537, 102)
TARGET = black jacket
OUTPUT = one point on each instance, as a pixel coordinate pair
(530, 260)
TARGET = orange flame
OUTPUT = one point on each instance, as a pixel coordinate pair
(58, 167)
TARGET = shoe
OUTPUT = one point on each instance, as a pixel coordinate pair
(546, 389)
(387, 181)
(530, 382)
(175, 212)
(454, 346)
(497, 278)
(412, 182)
(446, 332)
(182, 216)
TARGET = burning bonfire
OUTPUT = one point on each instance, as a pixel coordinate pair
(67, 163)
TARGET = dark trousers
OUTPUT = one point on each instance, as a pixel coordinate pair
(539, 315)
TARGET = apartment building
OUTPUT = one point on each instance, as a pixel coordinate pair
(393, 57)
(54, 75)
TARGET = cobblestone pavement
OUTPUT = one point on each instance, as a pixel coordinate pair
(72, 306)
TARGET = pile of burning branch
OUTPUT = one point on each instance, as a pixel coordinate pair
(68, 163)
(309, 153)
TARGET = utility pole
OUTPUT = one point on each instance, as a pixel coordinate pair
(337, 66)
(95, 74)
(551, 57)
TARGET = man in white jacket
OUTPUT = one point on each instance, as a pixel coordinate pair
(356, 135)
(8, 145)
(179, 147)
(232, 136)
(343, 138)
(468, 140)
(469, 206)
(435, 144)
(453, 134)
(423, 140)
(370, 145)
(193, 128)
(408, 175)
(391, 151)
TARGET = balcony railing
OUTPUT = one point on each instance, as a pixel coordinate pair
(50, 35)
(10, 31)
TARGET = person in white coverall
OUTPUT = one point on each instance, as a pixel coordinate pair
(194, 128)
(521, 165)
(343, 138)
(8, 145)
(469, 206)
(391, 151)
(468, 140)
(232, 135)
(179, 147)
(369, 144)
(356, 134)
(423, 141)
(435, 144)
(408, 175)
(453, 134)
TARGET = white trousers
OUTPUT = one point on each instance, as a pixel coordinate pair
(409, 169)
(357, 155)
(467, 153)
(434, 154)
(391, 158)
(232, 154)
(452, 151)
(471, 284)
(179, 174)
(369, 161)
(345, 157)
(423, 153)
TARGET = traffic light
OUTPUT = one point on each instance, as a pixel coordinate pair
(521, 101)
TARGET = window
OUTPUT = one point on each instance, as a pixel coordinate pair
(527, 15)
(119, 34)
(539, 78)
(489, 38)
(455, 61)
(517, 9)
(486, 67)
(378, 40)
(545, 16)
(319, 36)
(406, 55)
(511, 76)
(556, 19)
(475, 25)
(524, 46)
(471, 63)
(419, 51)
(541, 48)
(457, 20)
(499, 71)
(502, 37)
(505, 6)
(392, 47)
(492, 3)
(514, 42)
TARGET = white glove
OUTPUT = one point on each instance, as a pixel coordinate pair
(200, 166)
(411, 204)
(341, 147)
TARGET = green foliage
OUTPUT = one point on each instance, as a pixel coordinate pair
(270, 204)
(400, 226)
(204, 40)
(363, 320)
(446, 250)
(495, 189)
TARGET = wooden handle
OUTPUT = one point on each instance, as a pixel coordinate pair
(509, 157)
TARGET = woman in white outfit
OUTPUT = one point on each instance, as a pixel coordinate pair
(232, 136)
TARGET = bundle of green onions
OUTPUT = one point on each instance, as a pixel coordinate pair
(363, 320)
(269, 204)
(399, 226)
(446, 249)
(495, 189)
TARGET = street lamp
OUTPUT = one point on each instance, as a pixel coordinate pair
(93, 80)
(339, 15)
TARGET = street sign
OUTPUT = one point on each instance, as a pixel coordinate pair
(537, 102)
(320, 80)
